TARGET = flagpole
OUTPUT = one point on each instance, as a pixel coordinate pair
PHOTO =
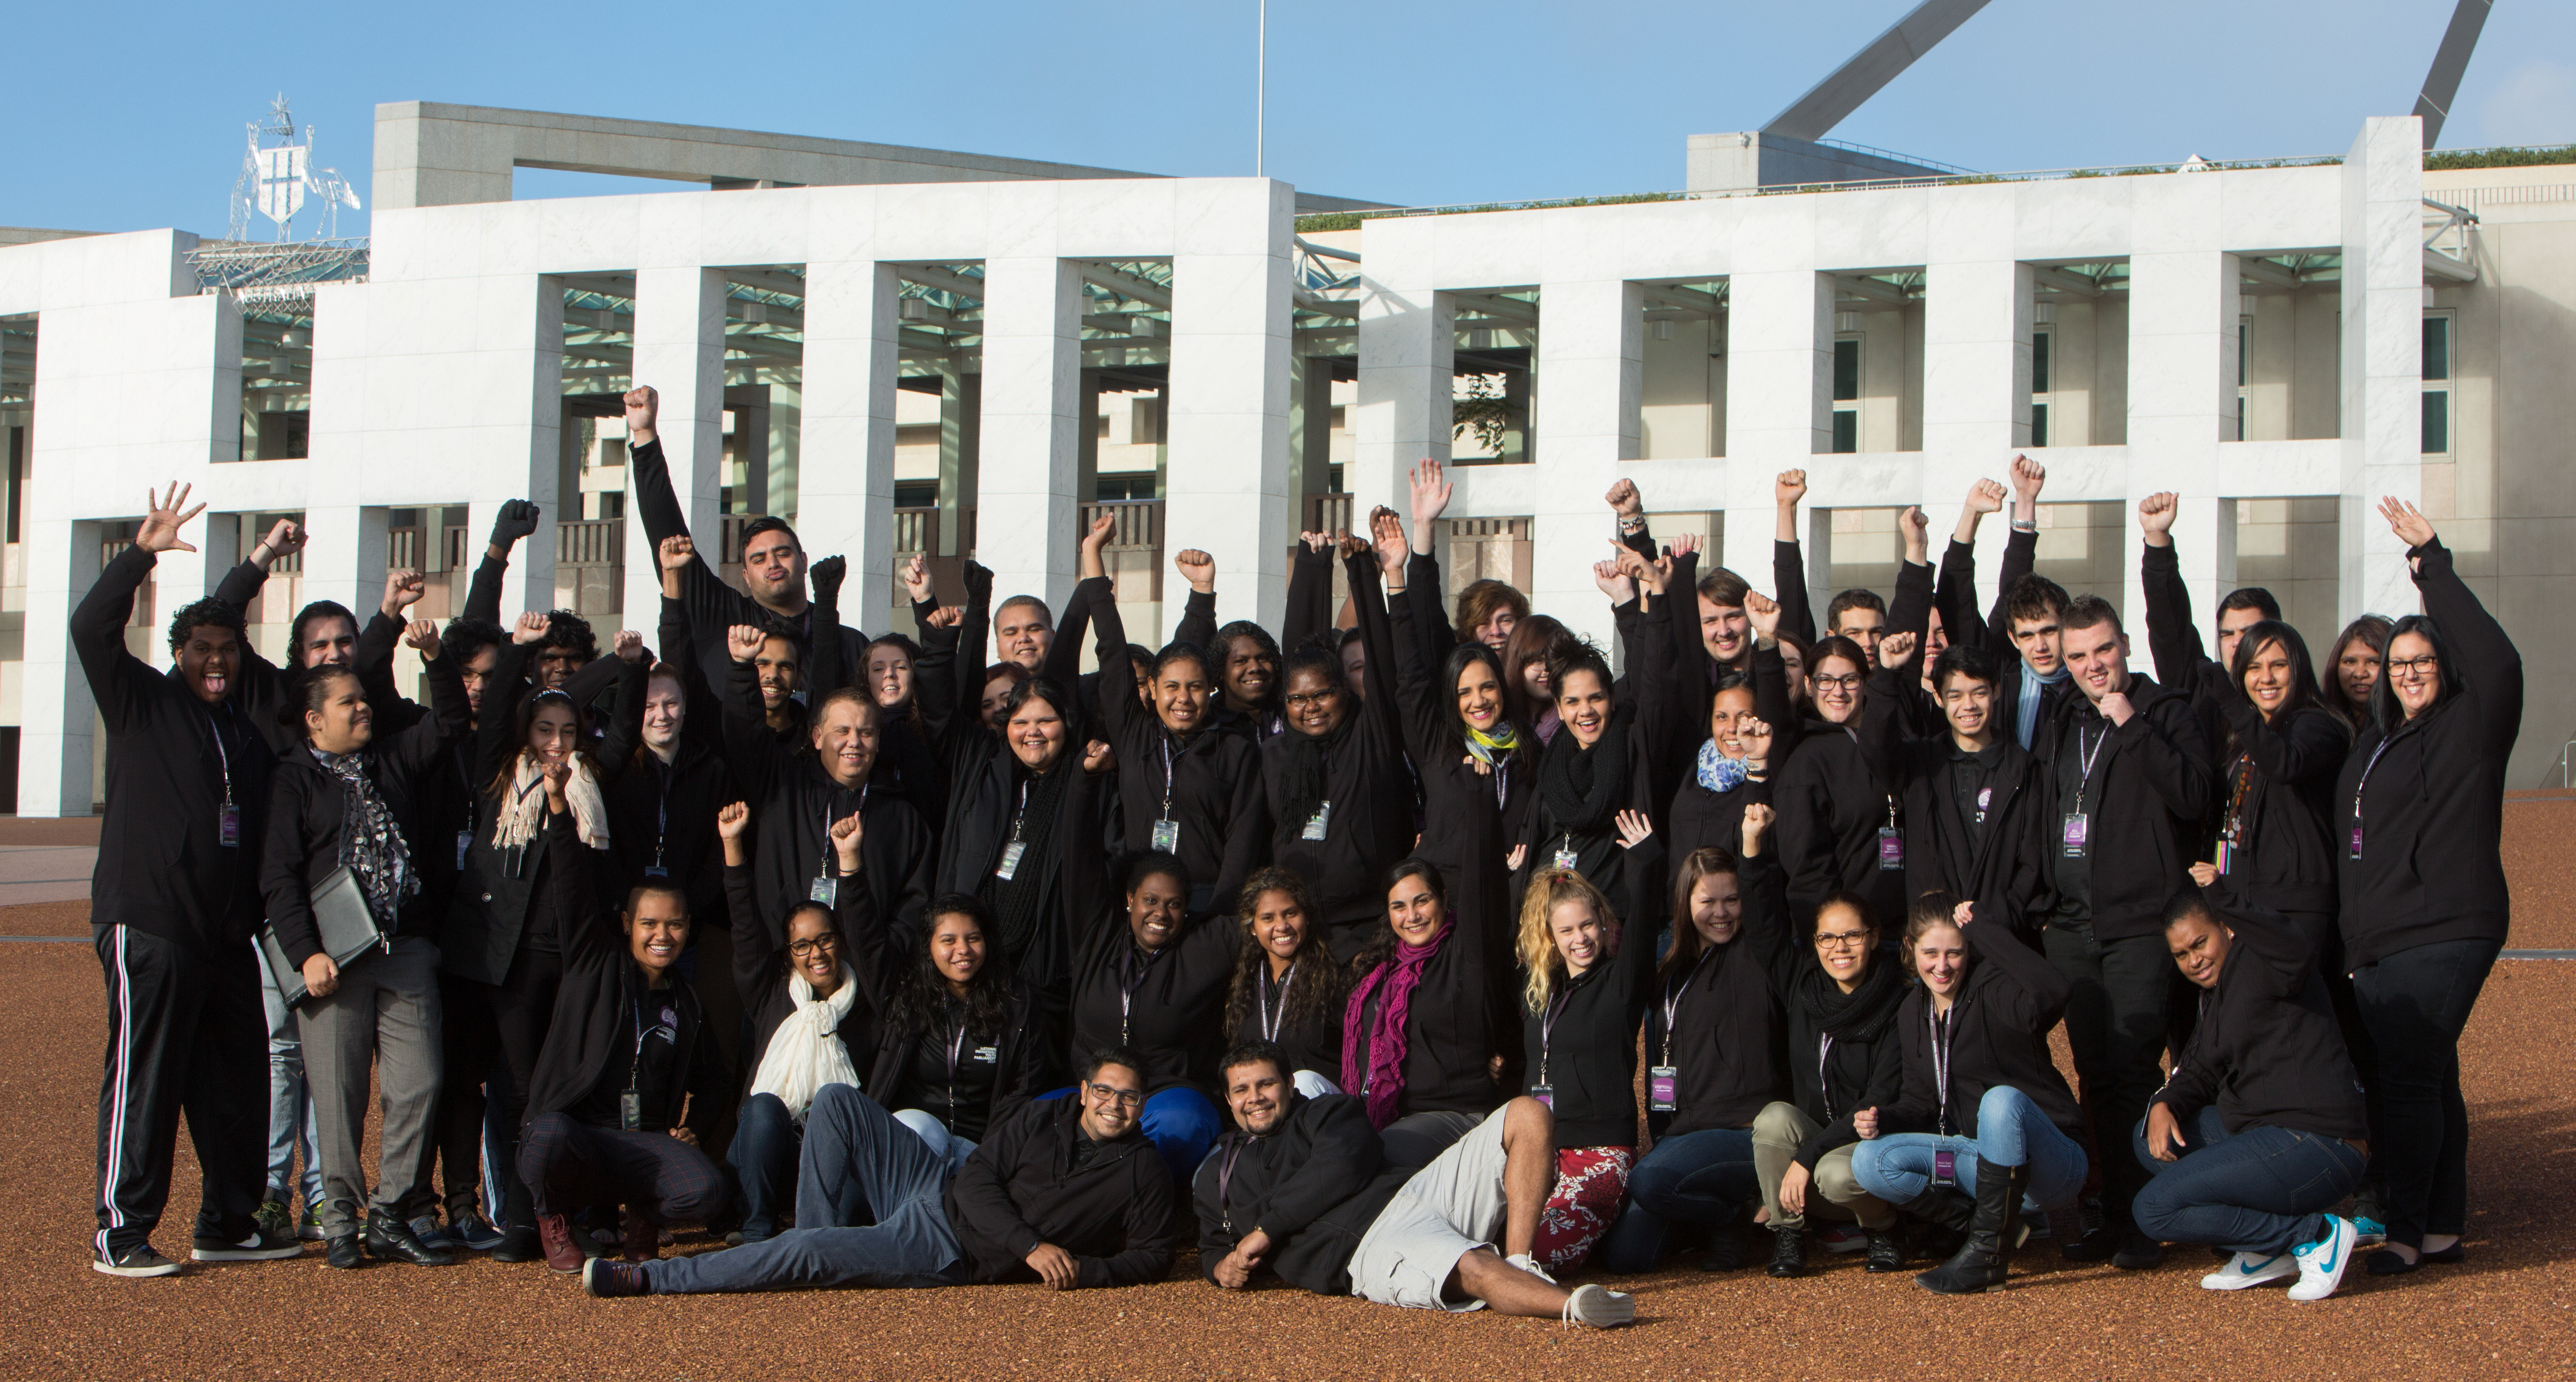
(1260, 88)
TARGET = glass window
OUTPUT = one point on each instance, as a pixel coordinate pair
(2039, 424)
(2437, 421)
(2039, 366)
(2437, 347)
(1846, 371)
(1846, 431)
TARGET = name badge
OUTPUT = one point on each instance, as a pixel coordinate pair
(1010, 864)
(1565, 857)
(1891, 848)
(656, 871)
(826, 891)
(986, 1055)
(1662, 1088)
(1544, 1093)
(630, 1111)
(1167, 836)
(464, 846)
(2356, 842)
(2072, 833)
(228, 826)
(1315, 823)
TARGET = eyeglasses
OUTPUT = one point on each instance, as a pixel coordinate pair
(2423, 666)
(804, 948)
(1309, 698)
(1841, 940)
(1848, 682)
(1125, 1098)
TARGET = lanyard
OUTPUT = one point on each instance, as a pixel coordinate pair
(2088, 757)
(1824, 1082)
(1167, 774)
(1020, 813)
(1130, 974)
(831, 856)
(1673, 1000)
(1225, 1178)
(1547, 1026)
(2359, 787)
(637, 1064)
(222, 755)
(1502, 780)
(1269, 1021)
(1941, 1065)
(662, 808)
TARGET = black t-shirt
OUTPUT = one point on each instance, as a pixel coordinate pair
(2086, 734)
(962, 1100)
(653, 1072)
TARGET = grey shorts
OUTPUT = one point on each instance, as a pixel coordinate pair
(1449, 1209)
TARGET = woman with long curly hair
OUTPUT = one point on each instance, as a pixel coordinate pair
(960, 1043)
(1287, 989)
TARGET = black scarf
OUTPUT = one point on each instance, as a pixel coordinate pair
(1585, 788)
(1862, 1015)
(1302, 786)
(371, 843)
(1019, 903)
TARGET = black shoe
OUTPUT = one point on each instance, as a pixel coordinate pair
(2095, 1240)
(2138, 1253)
(519, 1245)
(2386, 1262)
(1725, 1250)
(608, 1277)
(1981, 1264)
(1886, 1251)
(2457, 1252)
(260, 1246)
(393, 1241)
(1941, 1207)
(137, 1261)
(343, 1252)
(1788, 1252)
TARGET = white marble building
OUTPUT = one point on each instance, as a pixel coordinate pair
(1029, 340)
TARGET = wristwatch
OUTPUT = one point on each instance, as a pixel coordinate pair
(2025, 525)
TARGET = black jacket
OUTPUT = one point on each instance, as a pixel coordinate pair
(715, 606)
(172, 762)
(596, 1008)
(1456, 1021)
(1370, 825)
(1998, 1038)
(1833, 801)
(1451, 786)
(1956, 597)
(1583, 1045)
(308, 807)
(1120, 1215)
(2431, 806)
(760, 971)
(1213, 782)
(2280, 786)
(2267, 1049)
(1168, 1007)
(663, 815)
(1308, 1184)
(1703, 819)
(1830, 1081)
(2002, 859)
(2149, 783)
(1717, 1020)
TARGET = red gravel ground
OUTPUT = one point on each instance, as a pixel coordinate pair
(2507, 1312)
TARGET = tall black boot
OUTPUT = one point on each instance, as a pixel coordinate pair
(1942, 1206)
(1980, 1265)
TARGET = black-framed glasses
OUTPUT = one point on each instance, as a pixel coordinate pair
(1301, 699)
(1129, 1098)
(2416, 666)
(1841, 940)
(828, 941)
(1849, 681)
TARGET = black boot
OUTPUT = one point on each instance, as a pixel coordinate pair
(2095, 1239)
(1942, 1207)
(1980, 1266)
(1886, 1250)
(392, 1240)
(518, 1244)
(1725, 1249)
(342, 1251)
(1788, 1252)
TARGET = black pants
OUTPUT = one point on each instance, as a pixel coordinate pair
(185, 1032)
(573, 1166)
(2415, 1002)
(471, 1049)
(523, 1007)
(2115, 1024)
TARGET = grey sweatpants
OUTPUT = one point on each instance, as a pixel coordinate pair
(384, 1015)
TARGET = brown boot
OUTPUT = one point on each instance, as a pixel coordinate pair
(643, 1239)
(562, 1253)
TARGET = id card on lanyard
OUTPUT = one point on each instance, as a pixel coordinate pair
(2075, 828)
(1663, 1082)
(228, 816)
(1891, 842)
(2357, 789)
(1017, 847)
(1543, 1091)
(827, 879)
(1167, 832)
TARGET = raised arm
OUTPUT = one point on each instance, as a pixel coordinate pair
(1383, 704)
(2171, 637)
(2021, 551)
(120, 682)
(2040, 991)
(752, 750)
(626, 725)
(1911, 610)
(1198, 612)
(1310, 592)
(496, 728)
(755, 938)
(974, 638)
(1956, 593)
(1788, 559)
(516, 521)
(2490, 667)
(416, 748)
(572, 875)
(1765, 890)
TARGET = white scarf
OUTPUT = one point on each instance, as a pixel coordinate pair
(806, 1053)
(523, 810)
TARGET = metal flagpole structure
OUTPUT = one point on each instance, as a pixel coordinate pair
(1260, 86)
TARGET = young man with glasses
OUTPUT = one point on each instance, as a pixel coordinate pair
(1065, 1192)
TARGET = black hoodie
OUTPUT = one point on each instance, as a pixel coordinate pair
(1119, 1213)
(1956, 595)
(1718, 1020)
(2428, 800)
(2268, 1050)
(1998, 1038)
(1947, 846)
(2150, 780)
(1310, 1183)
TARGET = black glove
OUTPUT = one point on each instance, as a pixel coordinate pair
(979, 580)
(827, 576)
(517, 519)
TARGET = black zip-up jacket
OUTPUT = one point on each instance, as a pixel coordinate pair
(1998, 1038)
(499, 900)
(2182, 662)
(1371, 822)
(1583, 1044)
(171, 759)
(760, 969)
(1214, 781)
(1831, 1083)
(308, 808)
(1718, 1021)
(714, 606)
(1956, 596)
(1120, 1215)
(1454, 1024)
(1699, 818)
(1832, 801)
(1169, 1008)
(2287, 768)
(2006, 858)
(2431, 807)
(2150, 782)
(1452, 789)
(595, 1009)
(1023, 1052)
(1320, 1158)
(663, 815)
(794, 801)
(2268, 1050)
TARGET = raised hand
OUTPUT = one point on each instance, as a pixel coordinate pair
(1757, 823)
(1103, 524)
(1386, 533)
(162, 517)
(1683, 544)
(827, 576)
(1916, 529)
(1791, 487)
(846, 835)
(421, 636)
(1316, 542)
(1612, 582)
(1763, 613)
(2029, 477)
(916, 578)
(1624, 498)
(530, 628)
(286, 537)
(1985, 496)
(558, 777)
(1351, 544)
(743, 642)
(629, 646)
(677, 551)
(1894, 648)
(946, 617)
(2156, 517)
(734, 821)
(403, 589)
(643, 409)
(1755, 735)
(1634, 829)
(1198, 568)
(517, 519)
(1431, 490)
(2405, 520)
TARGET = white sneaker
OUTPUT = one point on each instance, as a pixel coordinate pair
(2321, 1263)
(2250, 1269)
(1530, 1265)
(1599, 1308)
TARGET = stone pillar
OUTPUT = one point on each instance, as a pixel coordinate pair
(1024, 507)
(2383, 373)
(1226, 415)
(679, 350)
(1779, 378)
(1591, 351)
(845, 493)
(1408, 343)
(961, 421)
(2183, 303)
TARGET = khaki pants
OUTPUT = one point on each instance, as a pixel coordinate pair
(1832, 1193)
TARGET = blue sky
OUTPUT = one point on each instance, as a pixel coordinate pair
(130, 116)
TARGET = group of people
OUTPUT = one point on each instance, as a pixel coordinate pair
(1339, 945)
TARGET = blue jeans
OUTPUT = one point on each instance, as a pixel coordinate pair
(2415, 1002)
(2011, 1131)
(1700, 1177)
(764, 1156)
(291, 1122)
(950, 1147)
(856, 1157)
(1179, 1121)
(2263, 1190)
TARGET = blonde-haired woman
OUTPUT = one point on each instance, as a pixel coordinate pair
(1584, 990)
